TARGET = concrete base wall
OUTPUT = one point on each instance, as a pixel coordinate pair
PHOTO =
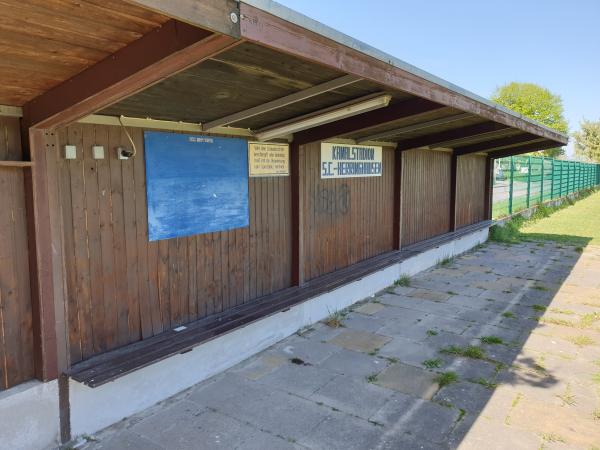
(97, 408)
(29, 416)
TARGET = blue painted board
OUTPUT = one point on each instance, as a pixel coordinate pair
(195, 184)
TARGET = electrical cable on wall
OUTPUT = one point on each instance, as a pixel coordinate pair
(123, 151)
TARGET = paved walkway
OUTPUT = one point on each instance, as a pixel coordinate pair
(498, 349)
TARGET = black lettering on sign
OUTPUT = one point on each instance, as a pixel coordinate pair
(332, 200)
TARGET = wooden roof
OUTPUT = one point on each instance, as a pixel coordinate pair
(216, 62)
(45, 42)
(250, 75)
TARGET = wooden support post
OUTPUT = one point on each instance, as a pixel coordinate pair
(489, 187)
(40, 256)
(453, 185)
(297, 222)
(397, 210)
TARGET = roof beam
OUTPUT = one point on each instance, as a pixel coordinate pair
(214, 15)
(415, 127)
(534, 147)
(161, 53)
(11, 111)
(435, 139)
(281, 102)
(367, 120)
(267, 29)
(496, 144)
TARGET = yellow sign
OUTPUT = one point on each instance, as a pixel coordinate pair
(268, 159)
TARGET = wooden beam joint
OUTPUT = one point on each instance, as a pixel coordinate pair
(161, 53)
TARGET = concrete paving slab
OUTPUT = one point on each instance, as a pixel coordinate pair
(357, 321)
(351, 363)
(464, 395)
(423, 420)
(297, 379)
(408, 380)
(359, 341)
(342, 432)
(356, 396)
(369, 308)
(408, 351)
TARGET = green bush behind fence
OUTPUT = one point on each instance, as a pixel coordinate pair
(524, 181)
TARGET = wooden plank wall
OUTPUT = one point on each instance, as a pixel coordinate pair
(425, 194)
(16, 337)
(345, 220)
(122, 288)
(470, 190)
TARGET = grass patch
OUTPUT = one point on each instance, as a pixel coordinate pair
(566, 312)
(596, 414)
(508, 315)
(552, 437)
(539, 287)
(588, 320)
(472, 351)
(491, 340)
(538, 308)
(432, 363)
(576, 225)
(581, 340)
(507, 233)
(451, 293)
(432, 333)
(335, 319)
(372, 378)
(446, 261)
(446, 378)
(403, 281)
(485, 383)
(555, 321)
(567, 398)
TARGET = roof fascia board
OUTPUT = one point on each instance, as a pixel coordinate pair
(535, 147)
(220, 16)
(257, 26)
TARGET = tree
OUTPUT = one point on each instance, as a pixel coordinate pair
(537, 103)
(587, 140)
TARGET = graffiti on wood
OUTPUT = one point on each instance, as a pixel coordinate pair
(332, 200)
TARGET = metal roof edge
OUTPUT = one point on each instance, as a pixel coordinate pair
(297, 18)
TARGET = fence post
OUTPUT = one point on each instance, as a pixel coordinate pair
(528, 181)
(542, 181)
(510, 189)
(552, 180)
(560, 179)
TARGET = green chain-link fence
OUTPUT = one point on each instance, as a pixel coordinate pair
(524, 181)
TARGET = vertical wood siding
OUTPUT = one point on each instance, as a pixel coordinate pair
(470, 190)
(122, 288)
(16, 337)
(345, 220)
(425, 194)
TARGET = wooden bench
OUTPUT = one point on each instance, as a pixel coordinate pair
(106, 367)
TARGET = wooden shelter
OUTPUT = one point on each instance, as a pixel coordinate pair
(85, 293)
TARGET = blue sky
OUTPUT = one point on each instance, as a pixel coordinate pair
(480, 44)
